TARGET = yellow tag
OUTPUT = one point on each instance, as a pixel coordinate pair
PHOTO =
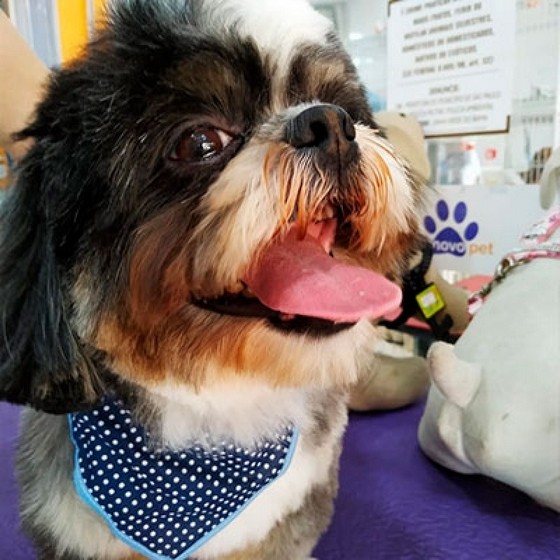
(430, 301)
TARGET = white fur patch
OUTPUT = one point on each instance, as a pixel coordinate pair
(248, 408)
(245, 410)
(278, 27)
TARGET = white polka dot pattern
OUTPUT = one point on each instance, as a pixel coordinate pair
(167, 504)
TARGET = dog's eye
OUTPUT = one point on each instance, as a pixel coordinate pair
(200, 145)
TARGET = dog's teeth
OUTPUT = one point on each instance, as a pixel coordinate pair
(247, 292)
(235, 288)
(286, 317)
(327, 213)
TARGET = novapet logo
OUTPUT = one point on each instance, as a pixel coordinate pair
(453, 238)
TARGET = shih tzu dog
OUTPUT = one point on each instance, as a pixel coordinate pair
(205, 224)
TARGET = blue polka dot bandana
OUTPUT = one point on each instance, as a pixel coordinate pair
(167, 504)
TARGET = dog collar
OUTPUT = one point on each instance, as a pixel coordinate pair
(535, 244)
(424, 297)
(167, 504)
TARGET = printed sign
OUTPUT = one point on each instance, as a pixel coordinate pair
(450, 64)
(472, 227)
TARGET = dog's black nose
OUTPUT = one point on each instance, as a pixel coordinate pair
(326, 127)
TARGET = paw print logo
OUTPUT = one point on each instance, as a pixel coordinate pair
(452, 238)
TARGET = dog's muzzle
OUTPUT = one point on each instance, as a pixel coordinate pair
(295, 281)
(325, 130)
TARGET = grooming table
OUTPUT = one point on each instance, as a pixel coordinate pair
(394, 504)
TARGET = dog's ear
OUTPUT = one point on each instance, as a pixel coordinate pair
(42, 361)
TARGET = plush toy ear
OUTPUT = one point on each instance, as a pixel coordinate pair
(42, 362)
(458, 381)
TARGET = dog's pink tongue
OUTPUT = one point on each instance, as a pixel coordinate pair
(296, 276)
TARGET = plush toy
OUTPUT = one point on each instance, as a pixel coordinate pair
(395, 377)
(494, 404)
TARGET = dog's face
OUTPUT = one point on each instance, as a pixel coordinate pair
(206, 191)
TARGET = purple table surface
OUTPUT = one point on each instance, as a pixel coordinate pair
(393, 504)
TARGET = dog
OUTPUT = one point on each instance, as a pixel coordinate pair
(207, 220)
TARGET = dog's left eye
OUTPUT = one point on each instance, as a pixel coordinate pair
(201, 144)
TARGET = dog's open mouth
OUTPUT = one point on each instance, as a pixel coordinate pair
(298, 286)
(240, 305)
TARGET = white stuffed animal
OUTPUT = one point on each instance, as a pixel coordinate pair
(494, 404)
